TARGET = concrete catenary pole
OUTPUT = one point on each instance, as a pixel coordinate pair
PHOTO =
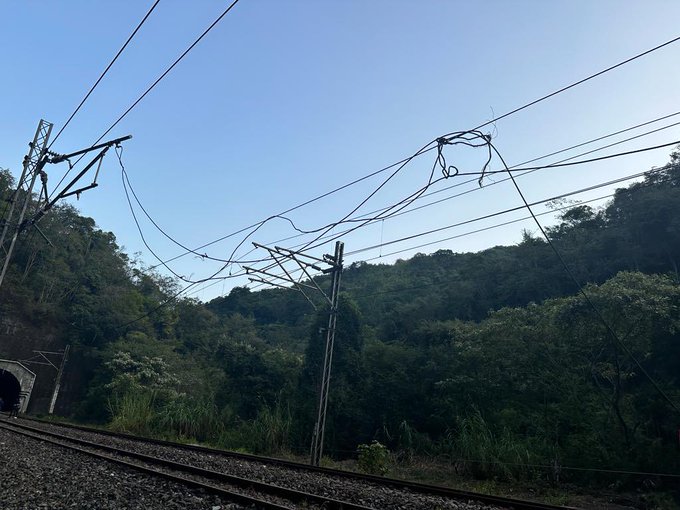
(57, 382)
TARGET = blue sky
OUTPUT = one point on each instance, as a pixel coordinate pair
(283, 101)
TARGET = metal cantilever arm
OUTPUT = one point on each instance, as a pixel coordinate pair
(296, 286)
(304, 270)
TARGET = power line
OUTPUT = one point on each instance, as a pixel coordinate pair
(581, 291)
(535, 168)
(291, 209)
(123, 177)
(96, 83)
(483, 229)
(579, 82)
(590, 188)
(127, 184)
(491, 227)
(158, 80)
(518, 165)
(170, 68)
(467, 138)
(505, 211)
(593, 140)
(557, 165)
(473, 138)
(465, 234)
(525, 171)
(405, 202)
(502, 180)
(457, 138)
(425, 150)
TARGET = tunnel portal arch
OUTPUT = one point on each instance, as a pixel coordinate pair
(16, 384)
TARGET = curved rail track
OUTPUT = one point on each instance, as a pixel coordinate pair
(245, 490)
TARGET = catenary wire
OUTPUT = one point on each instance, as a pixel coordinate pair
(101, 76)
(476, 188)
(123, 175)
(255, 227)
(530, 169)
(579, 82)
(405, 160)
(505, 211)
(465, 234)
(491, 227)
(310, 245)
(491, 184)
(468, 138)
(125, 182)
(156, 82)
(500, 117)
(128, 184)
(585, 295)
(523, 169)
(514, 209)
(592, 160)
(217, 280)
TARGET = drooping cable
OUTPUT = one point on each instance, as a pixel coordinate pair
(581, 290)
(492, 121)
(518, 167)
(505, 211)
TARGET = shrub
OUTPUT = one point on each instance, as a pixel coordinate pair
(374, 458)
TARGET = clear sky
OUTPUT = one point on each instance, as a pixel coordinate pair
(285, 100)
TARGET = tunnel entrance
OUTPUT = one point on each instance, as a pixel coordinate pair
(10, 391)
(16, 384)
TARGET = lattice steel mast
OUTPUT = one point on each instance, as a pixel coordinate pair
(335, 269)
(33, 165)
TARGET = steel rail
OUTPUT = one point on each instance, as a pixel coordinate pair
(213, 489)
(421, 488)
(275, 490)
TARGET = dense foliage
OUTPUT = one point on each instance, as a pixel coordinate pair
(491, 360)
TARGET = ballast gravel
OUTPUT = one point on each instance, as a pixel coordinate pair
(351, 490)
(37, 475)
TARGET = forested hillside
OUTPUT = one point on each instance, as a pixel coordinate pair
(491, 359)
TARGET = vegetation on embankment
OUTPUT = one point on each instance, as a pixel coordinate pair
(490, 361)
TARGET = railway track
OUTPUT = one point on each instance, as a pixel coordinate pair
(262, 481)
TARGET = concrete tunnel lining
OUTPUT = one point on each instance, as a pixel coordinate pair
(10, 390)
(16, 384)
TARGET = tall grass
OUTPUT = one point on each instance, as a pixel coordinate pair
(132, 412)
(268, 433)
(478, 450)
(271, 429)
(185, 418)
(179, 417)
